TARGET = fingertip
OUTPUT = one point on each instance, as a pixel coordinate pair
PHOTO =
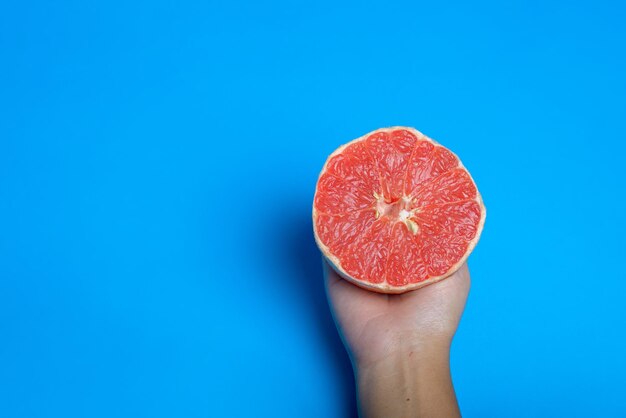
(329, 272)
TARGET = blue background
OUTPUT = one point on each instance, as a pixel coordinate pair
(157, 166)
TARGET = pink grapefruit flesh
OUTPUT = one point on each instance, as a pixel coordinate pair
(394, 211)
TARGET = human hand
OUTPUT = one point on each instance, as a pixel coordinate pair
(375, 325)
(399, 344)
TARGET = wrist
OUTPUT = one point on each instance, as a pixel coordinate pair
(410, 381)
(407, 358)
(404, 348)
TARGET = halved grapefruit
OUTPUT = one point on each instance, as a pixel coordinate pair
(394, 211)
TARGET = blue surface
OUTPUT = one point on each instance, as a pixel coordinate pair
(157, 166)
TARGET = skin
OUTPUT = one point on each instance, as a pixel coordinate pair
(399, 345)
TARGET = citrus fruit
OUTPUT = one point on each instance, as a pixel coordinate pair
(394, 211)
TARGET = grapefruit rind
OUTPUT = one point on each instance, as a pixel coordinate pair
(385, 287)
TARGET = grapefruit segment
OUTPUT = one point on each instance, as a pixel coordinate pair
(428, 162)
(458, 218)
(405, 264)
(440, 252)
(451, 186)
(367, 256)
(341, 231)
(394, 211)
(338, 195)
(355, 163)
(351, 182)
(391, 151)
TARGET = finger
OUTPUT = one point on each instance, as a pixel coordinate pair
(330, 275)
(460, 279)
(346, 294)
(337, 287)
(453, 289)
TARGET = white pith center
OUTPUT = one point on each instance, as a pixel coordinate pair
(397, 211)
